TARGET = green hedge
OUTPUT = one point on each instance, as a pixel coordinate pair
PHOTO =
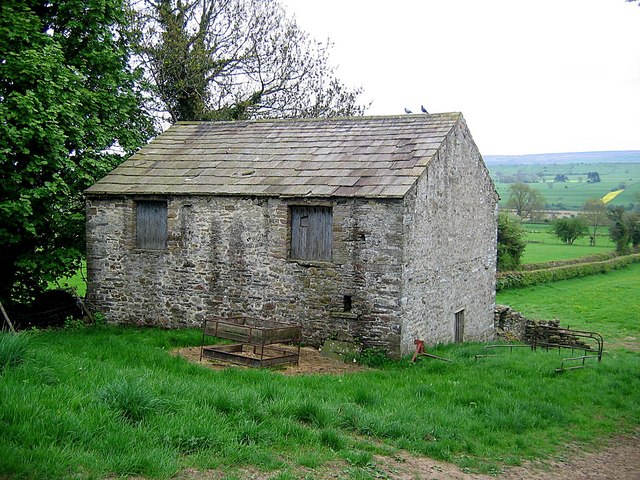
(561, 263)
(519, 279)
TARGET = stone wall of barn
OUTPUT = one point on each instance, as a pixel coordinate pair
(229, 256)
(450, 247)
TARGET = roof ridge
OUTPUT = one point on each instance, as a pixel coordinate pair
(450, 115)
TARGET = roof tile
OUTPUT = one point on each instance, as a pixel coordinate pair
(360, 156)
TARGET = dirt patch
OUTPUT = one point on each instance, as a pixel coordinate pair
(311, 362)
(618, 460)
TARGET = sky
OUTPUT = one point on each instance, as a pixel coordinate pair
(538, 76)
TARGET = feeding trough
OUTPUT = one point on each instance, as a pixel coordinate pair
(261, 343)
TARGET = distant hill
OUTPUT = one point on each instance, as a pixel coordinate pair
(626, 156)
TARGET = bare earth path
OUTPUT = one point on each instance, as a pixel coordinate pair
(617, 460)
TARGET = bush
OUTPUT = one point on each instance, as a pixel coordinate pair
(511, 241)
(13, 350)
(519, 279)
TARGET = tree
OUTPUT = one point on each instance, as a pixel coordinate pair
(511, 242)
(633, 224)
(570, 229)
(619, 229)
(68, 104)
(524, 200)
(235, 59)
(593, 177)
(594, 212)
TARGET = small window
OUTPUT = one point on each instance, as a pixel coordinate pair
(151, 225)
(311, 233)
(347, 303)
(458, 334)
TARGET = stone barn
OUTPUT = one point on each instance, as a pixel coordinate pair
(376, 229)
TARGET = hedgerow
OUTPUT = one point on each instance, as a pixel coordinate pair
(526, 278)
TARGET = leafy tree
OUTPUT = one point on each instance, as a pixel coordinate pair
(619, 229)
(561, 178)
(235, 59)
(593, 177)
(594, 212)
(570, 229)
(525, 200)
(511, 242)
(68, 103)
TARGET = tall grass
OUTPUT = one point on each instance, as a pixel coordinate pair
(112, 401)
(13, 349)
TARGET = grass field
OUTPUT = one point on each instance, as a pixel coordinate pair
(544, 246)
(112, 402)
(572, 195)
(608, 304)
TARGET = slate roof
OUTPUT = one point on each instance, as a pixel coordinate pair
(350, 157)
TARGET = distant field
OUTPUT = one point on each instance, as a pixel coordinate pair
(571, 195)
(77, 281)
(544, 246)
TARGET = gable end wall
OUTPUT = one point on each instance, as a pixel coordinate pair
(450, 246)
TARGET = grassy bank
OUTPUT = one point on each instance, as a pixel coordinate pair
(111, 401)
(609, 303)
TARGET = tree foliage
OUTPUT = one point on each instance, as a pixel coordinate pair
(624, 229)
(525, 200)
(570, 229)
(593, 177)
(235, 59)
(67, 102)
(594, 211)
(511, 242)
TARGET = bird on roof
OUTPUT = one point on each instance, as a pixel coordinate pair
(424, 110)
(406, 110)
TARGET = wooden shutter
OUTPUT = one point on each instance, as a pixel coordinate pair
(151, 225)
(311, 233)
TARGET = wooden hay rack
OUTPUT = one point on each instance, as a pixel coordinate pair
(261, 343)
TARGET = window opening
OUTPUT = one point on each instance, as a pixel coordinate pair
(459, 327)
(347, 303)
(151, 225)
(311, 233)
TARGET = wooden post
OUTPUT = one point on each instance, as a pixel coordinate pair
(6, 318)
(82, 305)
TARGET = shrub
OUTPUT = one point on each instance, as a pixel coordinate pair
(13, 350)
(511, 241)
(519, 279)
(372, 357)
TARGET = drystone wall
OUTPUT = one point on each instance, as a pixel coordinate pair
(512, 325)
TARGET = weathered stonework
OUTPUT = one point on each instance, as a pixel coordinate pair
(228, 256)
(450, 247)
(405, 256)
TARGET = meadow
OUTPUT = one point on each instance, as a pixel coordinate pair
(107, 401)
(572, 195)
(544, 246)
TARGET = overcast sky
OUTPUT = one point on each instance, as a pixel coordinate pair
(529, 76)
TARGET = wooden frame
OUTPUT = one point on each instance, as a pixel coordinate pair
(257, 339)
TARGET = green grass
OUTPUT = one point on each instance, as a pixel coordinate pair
(112, 402)
(573, 194)
(544, 246)
(608, 304)
(76, 281)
